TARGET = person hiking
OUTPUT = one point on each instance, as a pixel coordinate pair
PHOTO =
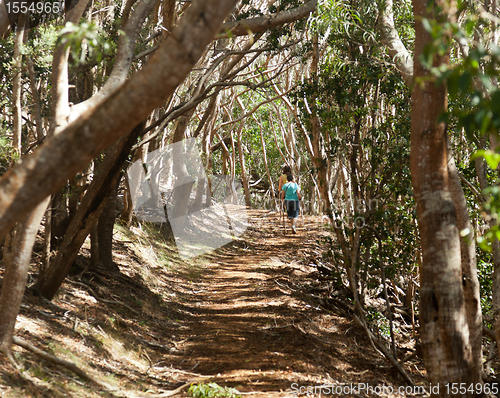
(282, 181)
(290, 193)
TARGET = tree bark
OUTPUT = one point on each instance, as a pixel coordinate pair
(4, 20)
(17, 259)
(266, 22)
(168, 11)
(105, 227)
(126, 215)
(468, 263)
(60, 109)
(449, 180)
(59, 217)
(36, 101)
(16, 87)
(446, 343)
(124, 57)
(87, 215)
(390, 38)
(59, 113)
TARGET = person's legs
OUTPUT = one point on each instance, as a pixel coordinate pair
(295, 216)
(292, 208)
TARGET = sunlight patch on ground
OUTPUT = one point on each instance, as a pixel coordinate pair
(34, 326)
(82, 294)
(276, 261)
(119, 353)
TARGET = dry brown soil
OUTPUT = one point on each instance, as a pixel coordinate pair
(255, 315)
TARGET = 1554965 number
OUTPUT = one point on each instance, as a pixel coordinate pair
(478, 388)
(34, 7)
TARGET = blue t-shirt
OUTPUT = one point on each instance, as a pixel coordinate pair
(291, 189)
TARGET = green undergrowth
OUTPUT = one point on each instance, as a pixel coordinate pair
(212, 390)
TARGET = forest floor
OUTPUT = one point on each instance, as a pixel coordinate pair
(255, 315)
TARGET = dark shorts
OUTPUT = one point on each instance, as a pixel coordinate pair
(292, 208)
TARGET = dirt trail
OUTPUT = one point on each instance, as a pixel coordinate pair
(257, 323)
(256, 315)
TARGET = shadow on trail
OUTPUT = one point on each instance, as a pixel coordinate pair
(254, 332)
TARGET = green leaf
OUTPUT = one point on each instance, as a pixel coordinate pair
(483, 244)
(491, 157)
(495, 102)
(427, 25)
(465, 81)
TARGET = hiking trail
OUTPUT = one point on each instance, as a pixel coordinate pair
(255, 315)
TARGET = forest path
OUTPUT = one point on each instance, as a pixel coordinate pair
(256, 315)
(256, 322)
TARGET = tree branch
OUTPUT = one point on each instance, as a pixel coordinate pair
(124, 57)
(266, 22)
(396, 48)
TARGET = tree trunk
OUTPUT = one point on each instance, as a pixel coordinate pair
(352, 269)
(17, 259)
(59, 218)
(47, 235)
(470, 280)
(16, 87)
(266, 165)
(94, 247)
(105, 227)
(259, 24)
(36, 101)
(495, 256)
(184, 183)
(315, 146)
(59, 114)
(168, 11)
(87, 215)
(390, 38)
(244, 178)
(128, 209)
(445, 334)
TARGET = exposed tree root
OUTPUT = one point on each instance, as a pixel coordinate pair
(58, 361)
(79, 372)
(383, 349)
(376, 343)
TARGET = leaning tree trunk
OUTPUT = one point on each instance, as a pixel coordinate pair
(87, 215)
(17, 259)
(41, 173)
(445, 333)
(18, 254)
